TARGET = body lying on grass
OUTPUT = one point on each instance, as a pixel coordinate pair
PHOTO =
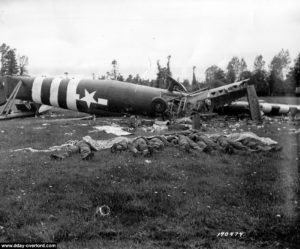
(82, 147)
(195, 142)
(191, 142)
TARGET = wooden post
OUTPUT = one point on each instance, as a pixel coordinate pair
(196, 121)
(10, 101)
(253, 103)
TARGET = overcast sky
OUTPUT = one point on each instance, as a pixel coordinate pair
(84, 36)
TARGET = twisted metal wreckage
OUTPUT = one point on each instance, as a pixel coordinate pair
(110, 97)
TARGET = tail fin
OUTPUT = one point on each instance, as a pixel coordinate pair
(175, 84)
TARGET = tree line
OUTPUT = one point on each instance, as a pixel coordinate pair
(278, 78)
(11, 64)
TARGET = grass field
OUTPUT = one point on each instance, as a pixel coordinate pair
(172, 200)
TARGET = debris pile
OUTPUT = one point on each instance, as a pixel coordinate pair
(113, 129)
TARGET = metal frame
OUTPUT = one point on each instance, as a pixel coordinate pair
(10, 101)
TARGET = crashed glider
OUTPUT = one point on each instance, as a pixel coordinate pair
(105, 97)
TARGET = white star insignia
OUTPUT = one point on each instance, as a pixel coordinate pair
(89, 98)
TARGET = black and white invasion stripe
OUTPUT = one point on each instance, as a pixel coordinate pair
(55, 92)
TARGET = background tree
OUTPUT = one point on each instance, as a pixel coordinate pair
(152, 83)
(280, 62)
(108, 75)
(4, 60)
(245, 75)
(215, 77)
(194, 81)
(186, 83)
(9, 65)
(242, 68)
(23, 63)
(120, 77)
(259, 63)
(12, 68)
(161, 79)
(296, 72)
(278, 65)
(290, 83)
(146, 82)
(160, 75)
(260, 80)
(235, 68)
(260, 76)
(114, 72)
(129, 78)
(137, 79)
(168, 71)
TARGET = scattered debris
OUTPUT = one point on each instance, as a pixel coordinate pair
(68, 133)
(113, 129)
(17, 115)
(147, 122)
(185, 120)
(103, 210)
(51, 149)
(44, 109)
(38, 128)
(68, 119)
(295, 131)
(179, 127)
(156, 128)
(29, 149)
